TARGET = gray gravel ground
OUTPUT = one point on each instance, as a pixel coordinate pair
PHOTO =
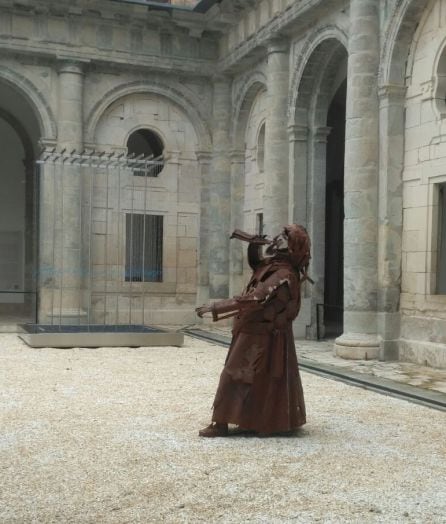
(110, 436)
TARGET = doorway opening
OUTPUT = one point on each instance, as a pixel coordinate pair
(19, 134)
(334, 216)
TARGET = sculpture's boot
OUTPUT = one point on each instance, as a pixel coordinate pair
(214, 430)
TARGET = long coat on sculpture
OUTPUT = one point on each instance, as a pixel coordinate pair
(260, 387)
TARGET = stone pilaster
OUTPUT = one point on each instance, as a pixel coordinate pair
(316, 219)
(276, 192)
(204, 160)
(219, 210)
(236, 251)
(391, 102)
(360, 339)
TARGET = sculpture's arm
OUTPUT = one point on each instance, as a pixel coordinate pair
(226, 308)
(277, 283)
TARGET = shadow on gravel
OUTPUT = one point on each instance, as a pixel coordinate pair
(244, 433)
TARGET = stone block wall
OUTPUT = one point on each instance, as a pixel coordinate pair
(174, 194)
(94, 72)
(423, 323)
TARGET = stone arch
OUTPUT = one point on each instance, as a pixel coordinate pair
(42, 110)
(319, 42)
(186, 100)
(398, 39)
(319, 72)
(242, 106)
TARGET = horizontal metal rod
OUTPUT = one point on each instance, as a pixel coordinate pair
(99, 159)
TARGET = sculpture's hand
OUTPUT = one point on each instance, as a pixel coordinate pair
(200, 311)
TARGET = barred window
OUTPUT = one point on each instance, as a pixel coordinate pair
(144, 248)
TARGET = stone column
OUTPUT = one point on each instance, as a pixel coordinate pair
(391, 98)
(70, 105)
(30, 236)
(204, 161)
(298, 136)
(65, 303)
(359, 339)
(236, 248)
(298, 154)
(316, 219)
(276, 192)
(219, 209)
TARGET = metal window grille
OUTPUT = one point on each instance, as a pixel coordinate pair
(144, 248)
(85, 198)
(152, 170)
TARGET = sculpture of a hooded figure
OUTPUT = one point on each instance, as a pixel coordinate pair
(260, 388)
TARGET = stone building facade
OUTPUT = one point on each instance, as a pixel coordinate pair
(326, 113)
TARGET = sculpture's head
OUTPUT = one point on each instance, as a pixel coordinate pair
(293, 242)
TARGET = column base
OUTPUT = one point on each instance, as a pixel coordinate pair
(357, 346)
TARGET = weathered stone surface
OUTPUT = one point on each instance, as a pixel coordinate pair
(88, 76)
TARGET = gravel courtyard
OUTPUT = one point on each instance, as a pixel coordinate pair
(110, 436)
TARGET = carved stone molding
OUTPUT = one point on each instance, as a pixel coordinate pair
(204, 157)
(237, 156)
(392, 91)
(277, 45)
(320, 134)
(298, 133)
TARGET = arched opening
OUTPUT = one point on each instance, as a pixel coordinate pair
(19, 132)
(317, 141)
(149, 144)
(334, 215)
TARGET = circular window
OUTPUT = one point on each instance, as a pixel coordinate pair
(261, 148)
(147, 143)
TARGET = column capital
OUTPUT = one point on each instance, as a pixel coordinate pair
(221, 78)
(392, 91)
(277, 45)
(297, 133)
(71, 65)
(321, 133)
(47, 143)
(204, 157)
(237, 156)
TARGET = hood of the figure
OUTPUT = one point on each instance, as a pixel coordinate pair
(299, 245)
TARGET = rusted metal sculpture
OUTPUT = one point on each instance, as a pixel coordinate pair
(260, 388)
